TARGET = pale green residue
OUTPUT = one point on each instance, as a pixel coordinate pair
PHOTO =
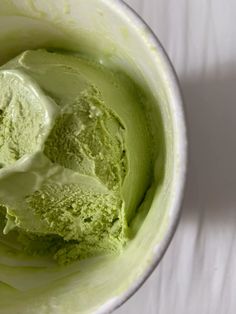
(66, 7)
(100, 12)
(34, 8)
(73, 136)
(125, 32)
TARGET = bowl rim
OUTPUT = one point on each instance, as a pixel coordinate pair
(182, 149)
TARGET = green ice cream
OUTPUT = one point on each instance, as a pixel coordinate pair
(75, 159)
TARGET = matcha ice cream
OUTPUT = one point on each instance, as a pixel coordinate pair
(75, 157)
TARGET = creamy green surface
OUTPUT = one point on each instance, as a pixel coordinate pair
(75, 155)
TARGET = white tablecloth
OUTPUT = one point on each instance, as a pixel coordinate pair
(198, 273)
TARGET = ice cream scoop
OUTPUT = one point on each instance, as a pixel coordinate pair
(75, 154)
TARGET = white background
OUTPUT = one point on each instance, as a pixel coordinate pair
(198, 273)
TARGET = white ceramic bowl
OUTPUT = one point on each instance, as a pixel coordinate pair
(114, 30)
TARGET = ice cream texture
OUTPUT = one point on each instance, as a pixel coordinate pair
(75, 155)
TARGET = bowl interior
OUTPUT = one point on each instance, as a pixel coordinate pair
(108, 31)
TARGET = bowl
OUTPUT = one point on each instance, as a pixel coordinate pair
(116, 35)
